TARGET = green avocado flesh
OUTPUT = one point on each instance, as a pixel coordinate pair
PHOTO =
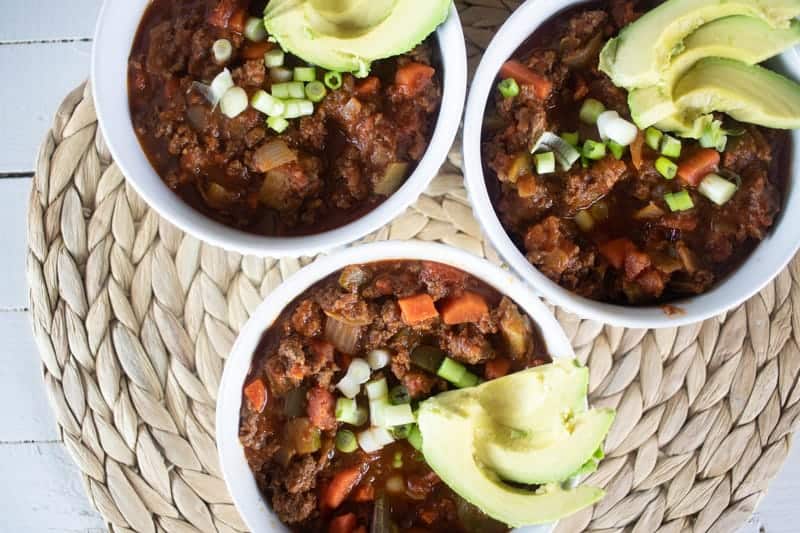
(642, 51)
(744, 39)
(468, 442)
(348, 35)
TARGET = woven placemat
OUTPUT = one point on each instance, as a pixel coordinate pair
(134, 319)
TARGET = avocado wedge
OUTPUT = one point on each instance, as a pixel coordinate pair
(642, 51)
(744, 39)
(348, 35)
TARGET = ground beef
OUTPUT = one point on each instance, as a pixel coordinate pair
(584, 186)
(294, 508)
(466, 344)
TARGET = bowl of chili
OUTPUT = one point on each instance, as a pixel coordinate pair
(226, 167)
(615, 237)
(262, 377)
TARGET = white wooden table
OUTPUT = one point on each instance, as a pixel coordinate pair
(44, 53)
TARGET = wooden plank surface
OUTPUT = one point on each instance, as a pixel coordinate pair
(48, 20)
(14, 194)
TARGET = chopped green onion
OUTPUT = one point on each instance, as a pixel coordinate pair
(298, 108)
(572, 138)
(221, 84)
(468, 380)
(399, 395)
(584, 161)
(254, 29)
(234, 102)
(377, 389)
(280, 75)
(277, 124)
(346, 441)
(714, 137)
(291, 89)
(509, 88)
(666, 168)
(397, 462)
(333, 80)
(305, 74)
(402, 432)
(451, 370)
(594, 150)
(222, 50)
(316, 91)
(362, 415)
(616, 149)
(346, 410)
(584, 221)
(670, 146)
(396, 415)
(267, 104)
(679, 201)
(653, 137)
(427, 357)
(545, 163)
(590, 110)
(415, 438)
(717, 189)
(274, 58)
(377, 412)
(565, 153)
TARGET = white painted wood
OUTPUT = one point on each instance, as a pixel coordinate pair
(25, 414)
(35, 79)
(779, 511)
(14, 194)
(41, 491)
(46, 20)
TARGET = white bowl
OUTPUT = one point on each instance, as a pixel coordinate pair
(255, 511)
(116, 28)
(766, 261)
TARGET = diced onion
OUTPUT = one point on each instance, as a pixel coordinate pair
(377, 389)
(612, 126)
(377, 412)
(221, 84)
(280, 75)
(397, 415)
(222, 50)
(234, 102)
(274, 154)
(565, 153)
(378, 359)
(275, 58)
(343, 336)
(717, 189)
(254, 29)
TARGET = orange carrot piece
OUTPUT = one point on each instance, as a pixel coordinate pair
(321, 408)
(694, 168)
(364, 493)
(525, 76)
(416, 309)
(256, 50)
(224, 14)
(340, 487)
(368, 87)
(616, 251)
(413, 77)
(256, 394)
(468, 307)
(238, 21)
(345, 523)
(497, 367)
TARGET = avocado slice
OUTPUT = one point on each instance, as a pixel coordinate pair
(447, 423)
(537, 397)
(545, 456)
(348, 35)
(745, 39)
(643, 50)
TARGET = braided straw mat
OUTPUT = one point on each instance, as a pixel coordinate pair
(134, 320)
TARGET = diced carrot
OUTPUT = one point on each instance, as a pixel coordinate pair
(527, 186)
(416, 309)
(635, 263)
(694, 168)
(256, 50)
(340, 487)
(525, 76)
(497, 367)
(238, 21)
(616, 251)
(467, 307)
(256, 394)
(364, 493)
(224, 11)
(321, 408)
(368, 87)
(345, 523)
(411, 78)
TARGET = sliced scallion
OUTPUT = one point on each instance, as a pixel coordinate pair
(397, 415)
(399, 395)
(670, 146)
(666, 168)
(714, 137)
(222, 83)
(415, 438)
(298, 108)
(254, 29)
(573, 138)
(222, 50)
(565, 153)
(346, 441)
(274, 58)
(305, 74)
(333, 80)
(509, 88)
(267, 104)
(451, 370)
(653, 137)
(468, 380)
(545, 163)
(316, 91)
(377, 389)
(291, 89)
(679, 201)
(280, 75)
(616, 149)
(594, 150)
(346, 410)
(402, 432)
(277, 124)
(591, 110)
(717, 189)
(234, 102)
